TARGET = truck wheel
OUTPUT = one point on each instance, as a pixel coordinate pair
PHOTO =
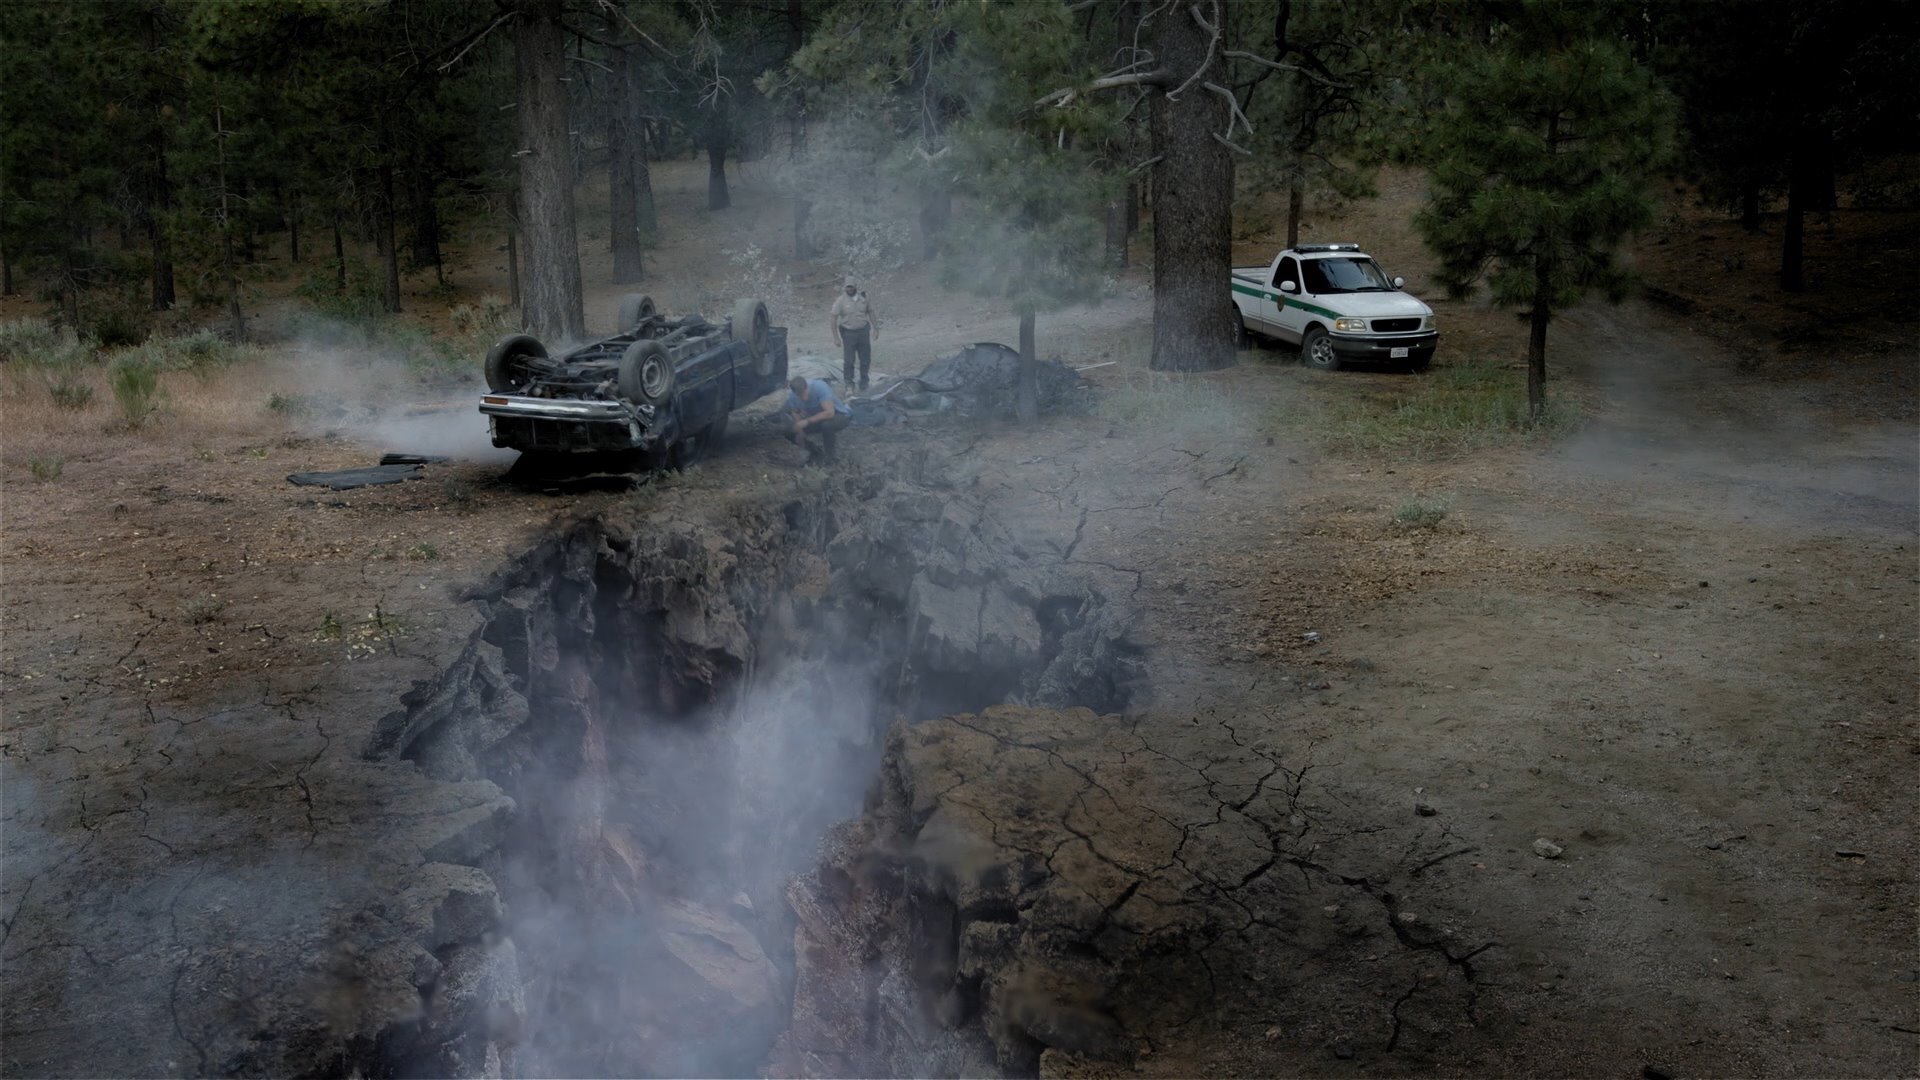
(750, 324)
(1316, 350)
(508, 368)
(646, 373)
(1242, 337)
(633, 308)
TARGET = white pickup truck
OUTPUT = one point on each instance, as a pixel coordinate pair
(1336, 303)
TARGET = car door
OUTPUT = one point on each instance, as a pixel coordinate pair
(1289, 317)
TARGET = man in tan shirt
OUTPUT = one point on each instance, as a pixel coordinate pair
(854, 326)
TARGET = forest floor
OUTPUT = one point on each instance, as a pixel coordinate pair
(1679, 641)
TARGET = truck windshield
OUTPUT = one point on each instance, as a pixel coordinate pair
(1344, 276)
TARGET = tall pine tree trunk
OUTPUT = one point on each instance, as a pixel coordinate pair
(384, 237)
(1194, 324)
(797, 130)
(513, 265)
(238, 322)
(339, 256)
(936, 210)
(802, 244)
(292, 214)
(626, 171)
(1750, 204)
(1296, 202)
(716, 136)
(159, 189)
(1026, 398)
(1537, 339)
(159, 208)
(426, 221)
(551, 282)
(1116, 232)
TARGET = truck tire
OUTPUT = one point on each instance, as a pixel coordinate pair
(633, 308)
(508, 370)
(1316, 350)
(646, 373)
(751, 324)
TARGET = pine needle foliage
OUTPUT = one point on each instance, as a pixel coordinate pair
(1542, 162)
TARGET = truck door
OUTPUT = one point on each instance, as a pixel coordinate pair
(1289, 318)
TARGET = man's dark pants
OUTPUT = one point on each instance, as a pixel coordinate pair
(827, 430)
(856, 343)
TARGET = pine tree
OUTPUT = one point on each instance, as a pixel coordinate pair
(1541, 164)
(1031, 196)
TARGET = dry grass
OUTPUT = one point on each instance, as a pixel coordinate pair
(190, 407)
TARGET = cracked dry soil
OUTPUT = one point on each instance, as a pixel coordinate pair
(226, 852)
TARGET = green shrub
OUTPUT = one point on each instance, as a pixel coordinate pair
(46, 468)
(423, 552)
(289, 405)
(204, 609)
(69, 391)
(33, 341)
(136, 388)
(201, 352)
(1422, 513)
(118, 327)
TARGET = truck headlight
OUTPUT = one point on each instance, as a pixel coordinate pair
(1349, 324)
(1426, 323)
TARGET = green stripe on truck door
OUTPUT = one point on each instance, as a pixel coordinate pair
(1283, 300)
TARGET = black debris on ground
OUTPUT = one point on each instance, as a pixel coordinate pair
(345, 479)
(979, 381)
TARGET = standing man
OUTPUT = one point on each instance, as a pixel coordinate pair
(854, 328)
(814, 408)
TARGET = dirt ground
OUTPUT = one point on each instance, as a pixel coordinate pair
(1680, 644)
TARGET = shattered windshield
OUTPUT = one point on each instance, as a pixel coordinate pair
(1345, 275)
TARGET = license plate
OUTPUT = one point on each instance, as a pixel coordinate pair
(1399, 353)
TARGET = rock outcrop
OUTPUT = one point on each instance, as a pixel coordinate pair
(1034, 884)
(679, 705)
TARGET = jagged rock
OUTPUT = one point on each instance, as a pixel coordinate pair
(1050, 885)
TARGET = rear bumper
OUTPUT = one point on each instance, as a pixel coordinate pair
(524, 423)
(1418, 346)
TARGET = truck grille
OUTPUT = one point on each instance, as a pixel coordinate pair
(1394, 326)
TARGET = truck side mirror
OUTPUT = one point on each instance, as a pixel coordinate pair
(1289, 287)
(1399, 283)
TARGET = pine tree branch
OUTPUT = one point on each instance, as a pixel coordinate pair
(1213, 48)
(475, 40)
(1239, 54)
(1064, 96)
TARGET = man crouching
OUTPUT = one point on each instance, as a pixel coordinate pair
(815, 410)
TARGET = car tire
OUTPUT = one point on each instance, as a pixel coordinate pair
(1316, 350)
(633, 308)
(1242, 337)
(646, 373)
(508, 367)
(752, 324)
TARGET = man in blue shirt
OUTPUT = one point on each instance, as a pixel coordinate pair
(815, 410)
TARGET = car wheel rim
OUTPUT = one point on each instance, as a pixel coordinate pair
(653, 377)
(1322, 352)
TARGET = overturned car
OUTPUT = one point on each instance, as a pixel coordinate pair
(663, 388)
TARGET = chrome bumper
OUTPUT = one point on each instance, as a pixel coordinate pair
(528, 408)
